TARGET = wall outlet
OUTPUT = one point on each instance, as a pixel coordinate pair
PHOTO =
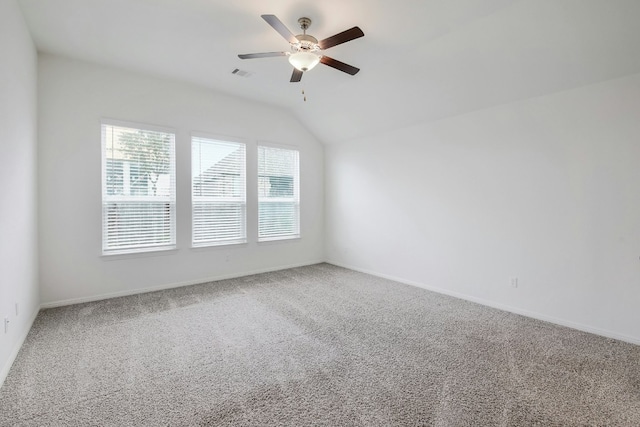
(514, 282)
(6, 325)
(16, 309)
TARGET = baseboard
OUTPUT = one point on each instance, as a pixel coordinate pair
(504, 307)
(100, 297)
(16, 348)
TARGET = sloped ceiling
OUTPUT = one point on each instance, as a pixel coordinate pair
(421, 60)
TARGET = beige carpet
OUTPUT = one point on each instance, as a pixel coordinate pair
(318, 345)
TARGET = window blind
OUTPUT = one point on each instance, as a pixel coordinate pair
(218, 192)
(138, 190)
(278, 193)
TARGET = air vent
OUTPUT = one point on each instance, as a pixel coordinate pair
(242, 73)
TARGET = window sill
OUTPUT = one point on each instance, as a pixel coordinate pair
(138, 254)
(276, 240)
(217, 246)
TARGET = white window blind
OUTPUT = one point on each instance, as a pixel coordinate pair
(278, 193)
(138, 190)
(218, 192)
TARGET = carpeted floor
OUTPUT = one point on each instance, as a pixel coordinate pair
(317, 345)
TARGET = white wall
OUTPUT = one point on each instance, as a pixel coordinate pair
(545, 190)
(18, 195)
(73, 97)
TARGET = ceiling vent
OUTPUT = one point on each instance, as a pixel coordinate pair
(241, 73)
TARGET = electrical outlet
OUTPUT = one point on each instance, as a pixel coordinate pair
(514, 282)
(6, 325)
(16, 309)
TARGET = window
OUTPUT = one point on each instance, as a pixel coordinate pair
(138, 190)
(218, 192)
(278, 194)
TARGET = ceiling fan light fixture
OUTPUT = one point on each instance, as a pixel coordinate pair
(304, 61)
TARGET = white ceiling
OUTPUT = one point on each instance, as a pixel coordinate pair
(421, 60)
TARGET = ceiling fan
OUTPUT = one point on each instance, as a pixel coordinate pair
(306, 50)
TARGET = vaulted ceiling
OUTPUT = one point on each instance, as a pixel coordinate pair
(421, 60)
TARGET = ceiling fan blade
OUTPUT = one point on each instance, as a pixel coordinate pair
(296, 76)
(280, 28)
(343, 37)
(261, 55)
(334, 63)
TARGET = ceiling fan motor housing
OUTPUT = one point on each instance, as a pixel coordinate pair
(306, 43)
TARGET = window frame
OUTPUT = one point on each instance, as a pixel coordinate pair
(171, 199)
(223, 139)
(296, 193)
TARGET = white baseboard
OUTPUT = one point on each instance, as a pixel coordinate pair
(109, 295)
(511, 309)
(16, 348)
(5, 369)
(563, 322)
